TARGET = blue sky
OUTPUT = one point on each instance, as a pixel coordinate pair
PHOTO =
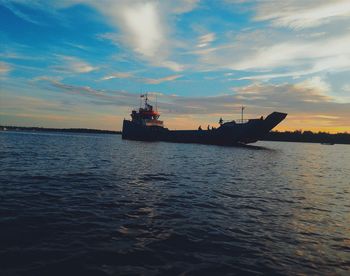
(75, 63)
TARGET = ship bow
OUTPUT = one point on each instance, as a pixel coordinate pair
(273, 120)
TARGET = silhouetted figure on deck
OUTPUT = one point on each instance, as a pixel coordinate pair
(199, 128)
(221, 121)
(208, 128)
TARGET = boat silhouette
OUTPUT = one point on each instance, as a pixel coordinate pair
(146, 126)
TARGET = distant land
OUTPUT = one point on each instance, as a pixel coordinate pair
(308, 137)
(285, 136)
(44, 129)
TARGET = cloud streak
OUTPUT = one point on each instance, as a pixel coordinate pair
(5, 68)
(119, 75)
(161, 80)
(205, 40)
(298, 14)
(75, 65)
(123, 75)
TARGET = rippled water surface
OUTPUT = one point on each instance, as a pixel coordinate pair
(76, 204)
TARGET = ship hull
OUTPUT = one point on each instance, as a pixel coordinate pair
(227, 134)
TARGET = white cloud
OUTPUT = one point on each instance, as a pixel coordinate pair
(314, 84)
(300, 14)
(277, 54)
(146, 31)
(142, 23)
(322, 54)
(145, 27)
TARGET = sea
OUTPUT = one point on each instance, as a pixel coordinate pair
(94, 204)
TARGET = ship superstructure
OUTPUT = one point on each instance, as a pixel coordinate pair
(146, 115)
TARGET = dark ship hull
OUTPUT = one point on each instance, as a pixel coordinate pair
(228, 134)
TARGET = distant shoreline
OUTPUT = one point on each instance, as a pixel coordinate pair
(286, 136)
(71, 130)
(308, 137)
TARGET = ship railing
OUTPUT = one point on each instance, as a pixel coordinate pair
(240, 121)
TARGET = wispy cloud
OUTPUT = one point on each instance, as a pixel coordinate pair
(12, 55)
(75, 65)
(47, 78)
(300, 14)
(96, 96)
(315, 84)
(331, 54)
(124, 75)
(78, 46)
(80, 90)
(118, 75)
(5, 67)
(160, 80)
(275, 52)
(205, 40)
(291, 95)
(17, 11)
(276, 55)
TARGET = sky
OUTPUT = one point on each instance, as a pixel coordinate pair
(84, 64)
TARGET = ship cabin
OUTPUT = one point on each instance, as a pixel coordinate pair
(146, 115)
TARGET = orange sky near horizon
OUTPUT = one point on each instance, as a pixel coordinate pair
(106, 121)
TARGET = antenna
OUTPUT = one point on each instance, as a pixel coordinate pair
(156, 104)
(242, 108)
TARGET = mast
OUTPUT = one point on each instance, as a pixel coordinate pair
(156, 104)
(146, 100)
(242, 108)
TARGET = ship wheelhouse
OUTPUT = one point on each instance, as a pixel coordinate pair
(146, 115)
